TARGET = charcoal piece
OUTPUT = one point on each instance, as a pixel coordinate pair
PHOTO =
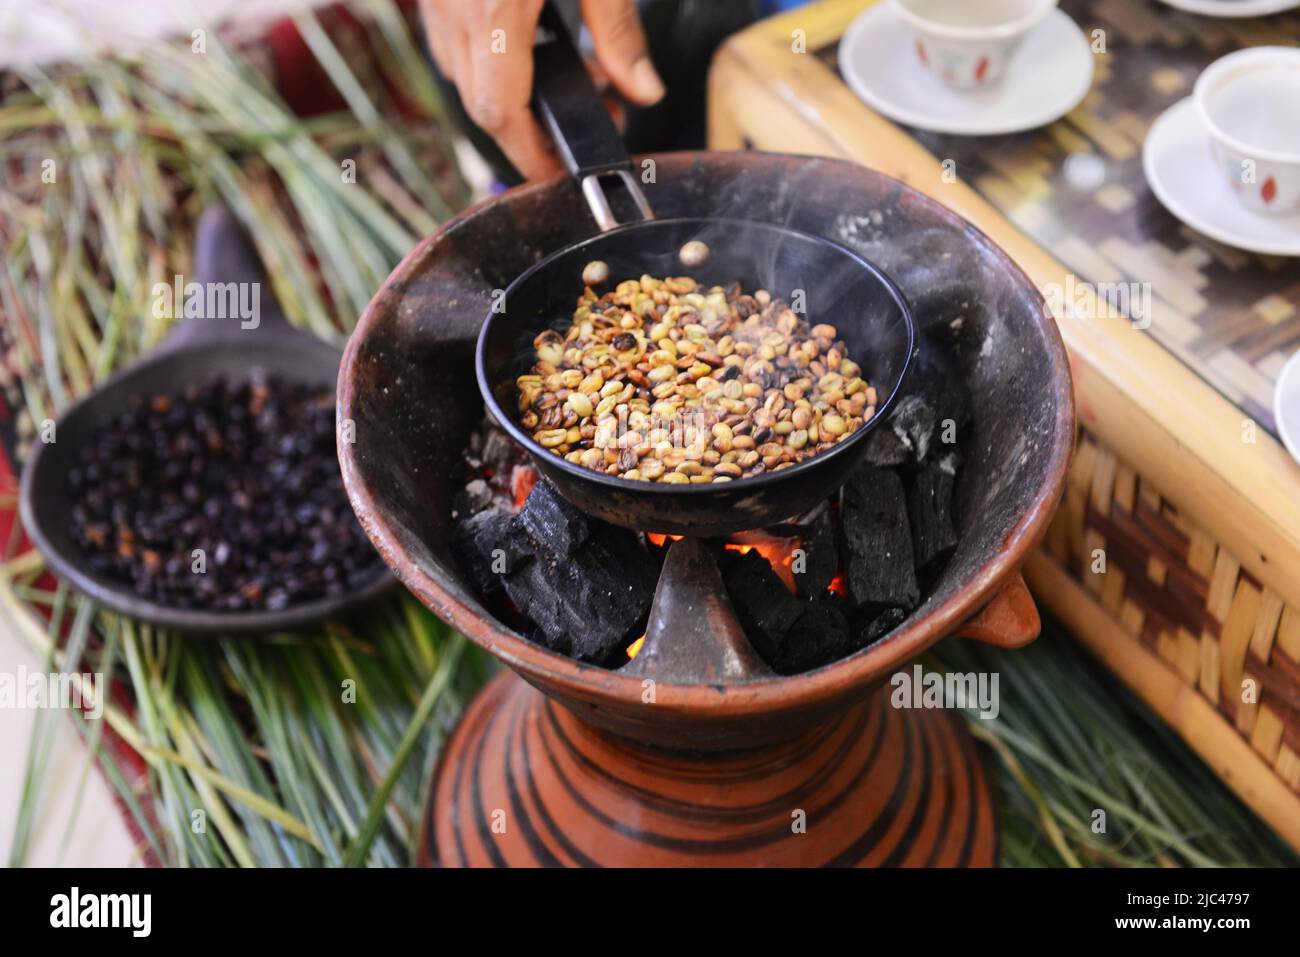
(591, 604)
(927, 419)
(929, 506)
(765, 607)
(490, 545)
(821, 556)
(586, 585)
(913, 423)
(818, 636)
(868, 628)
(791, 634)
(886, 449)
(879, 570)
(548, 518)
(538, 637)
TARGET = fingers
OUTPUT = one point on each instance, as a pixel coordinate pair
(441, 31)
(621, 49)
(485, 48)
(499, 43)
(527, 146)
(500, 64)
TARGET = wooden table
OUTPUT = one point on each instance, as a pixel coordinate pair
(1178, 480)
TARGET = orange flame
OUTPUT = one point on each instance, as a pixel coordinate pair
(521, 484)
(633, 648)
(779, 554)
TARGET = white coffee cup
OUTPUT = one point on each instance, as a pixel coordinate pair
(1250, 103)
(967, 43)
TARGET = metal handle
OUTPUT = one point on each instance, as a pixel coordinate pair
(571, 110)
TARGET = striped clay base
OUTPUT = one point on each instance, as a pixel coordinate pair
(523, 783)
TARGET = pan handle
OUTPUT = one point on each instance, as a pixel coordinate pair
(224, 256)
(571, 109)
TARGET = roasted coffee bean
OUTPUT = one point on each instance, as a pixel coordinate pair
(669, 359)
(693, 254)
(226, 496)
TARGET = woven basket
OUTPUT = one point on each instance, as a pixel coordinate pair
(1182, 596)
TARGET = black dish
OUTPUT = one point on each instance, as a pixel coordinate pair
(839, 287)
(196, 351)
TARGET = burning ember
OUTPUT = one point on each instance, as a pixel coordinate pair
(782, 554)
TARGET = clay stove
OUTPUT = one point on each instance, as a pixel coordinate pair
(693, 753)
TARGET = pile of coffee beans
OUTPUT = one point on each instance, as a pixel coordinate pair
(227, 497)
(666, 380)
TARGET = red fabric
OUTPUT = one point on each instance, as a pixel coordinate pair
(305, 86)
(132, 767)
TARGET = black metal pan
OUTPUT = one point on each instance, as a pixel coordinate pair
(195, 351)
(839, 287)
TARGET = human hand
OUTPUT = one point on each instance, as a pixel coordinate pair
(493, 71)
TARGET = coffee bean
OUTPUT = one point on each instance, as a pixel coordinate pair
(242, 473)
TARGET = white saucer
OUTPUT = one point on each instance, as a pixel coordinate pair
(1286, 406)
(1233, 8)
(1181, 171)
(1046, 77)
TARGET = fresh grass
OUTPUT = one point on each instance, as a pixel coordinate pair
(1071, 745)
(317, 749)
(310, 749)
